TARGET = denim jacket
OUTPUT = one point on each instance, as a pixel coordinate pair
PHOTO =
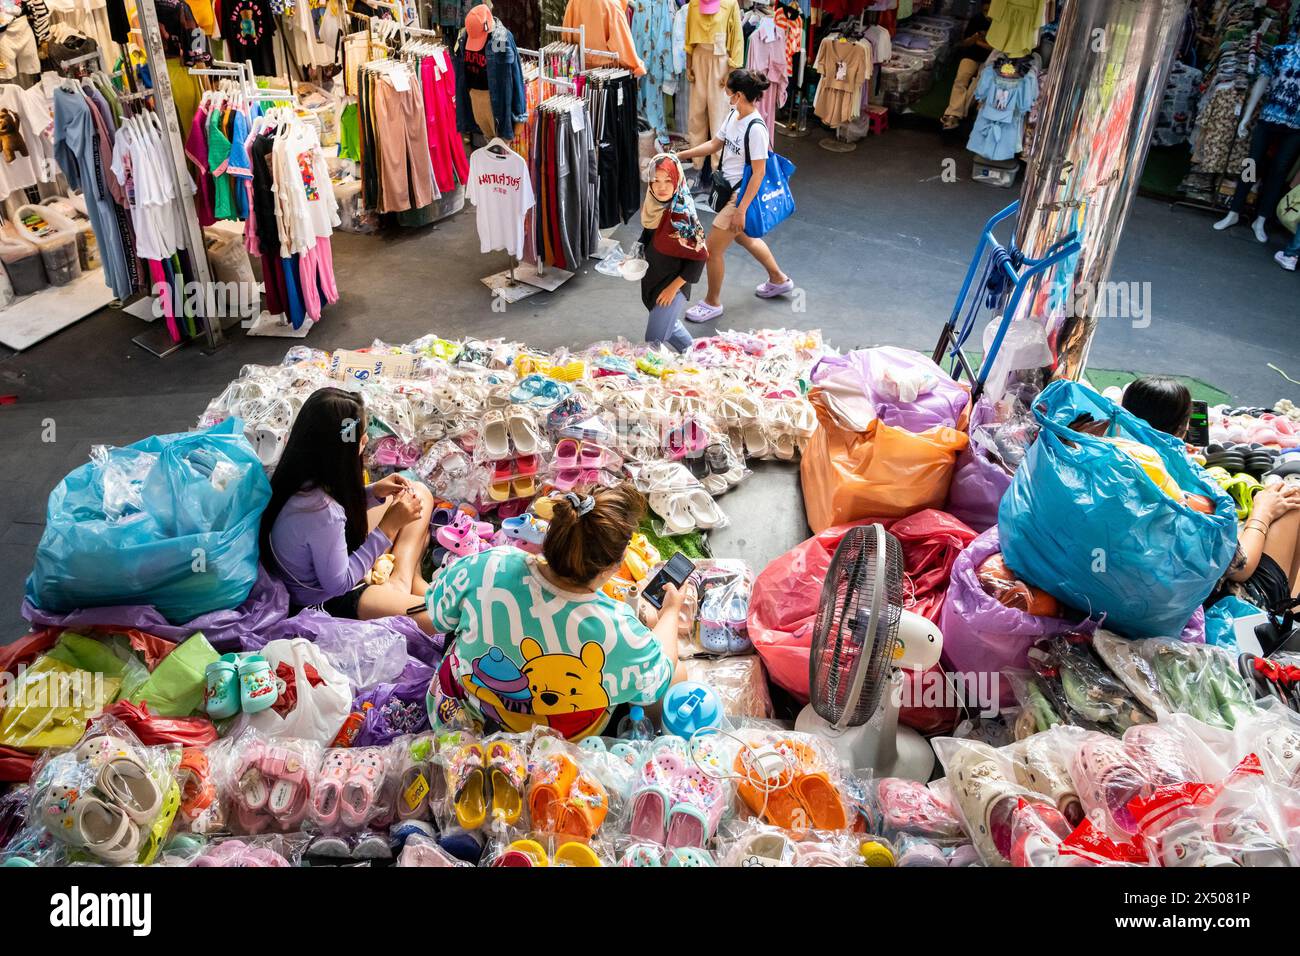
(505, 84)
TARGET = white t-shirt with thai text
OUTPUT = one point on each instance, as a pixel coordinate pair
(501, 190)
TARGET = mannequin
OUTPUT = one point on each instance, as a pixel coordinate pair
(715, 45)
(1278, 129)
(490, 94)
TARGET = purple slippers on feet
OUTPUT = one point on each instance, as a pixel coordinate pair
(770, 290)
(703, 312)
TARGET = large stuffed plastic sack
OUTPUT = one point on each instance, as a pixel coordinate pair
(315, 697)
(783, 608)
(892, 424)
(902, 388)
(1083, 520)
(978, 481)
(230, 629)
(170, 521)
(981, 635)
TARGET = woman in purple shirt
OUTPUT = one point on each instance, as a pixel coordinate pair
(324, 528)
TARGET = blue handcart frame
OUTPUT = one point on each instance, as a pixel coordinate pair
(1006, 275)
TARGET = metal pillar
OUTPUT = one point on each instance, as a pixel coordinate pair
(1096, 110)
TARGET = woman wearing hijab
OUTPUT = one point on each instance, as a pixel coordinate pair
(673, 239)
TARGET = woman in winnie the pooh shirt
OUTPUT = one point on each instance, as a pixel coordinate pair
(536, 642)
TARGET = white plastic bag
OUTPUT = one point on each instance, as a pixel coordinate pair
(319, 709)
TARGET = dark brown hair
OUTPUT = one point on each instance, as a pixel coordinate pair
(748, 83)
(578, 547)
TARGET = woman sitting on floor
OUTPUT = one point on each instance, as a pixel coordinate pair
(324, 528)
(1267, 566)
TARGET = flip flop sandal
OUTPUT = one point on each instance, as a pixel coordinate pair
(364, 779)
(327, 799)
(126, 782)
(465, 781)
(548, 790)
(508, 774)
(574, 853)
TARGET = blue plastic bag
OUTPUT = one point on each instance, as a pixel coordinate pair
(1085, 523)
(774, 202)
(170, 521)
(1221, 620)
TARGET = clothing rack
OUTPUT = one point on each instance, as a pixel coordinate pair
(158, 341)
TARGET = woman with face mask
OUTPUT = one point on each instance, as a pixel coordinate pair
(675, 252)
(742, 138)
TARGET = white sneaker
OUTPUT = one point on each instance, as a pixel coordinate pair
(1227, 221)
(1261, 234)
(1286, 262)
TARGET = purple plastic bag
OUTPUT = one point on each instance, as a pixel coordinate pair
(941, 406)
(227, 630)
(980, 634)
(978, 482)
(396, 709)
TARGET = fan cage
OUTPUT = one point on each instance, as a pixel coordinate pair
(845, 653)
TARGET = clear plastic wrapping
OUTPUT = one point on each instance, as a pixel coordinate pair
(1171, 676)
(109, 799)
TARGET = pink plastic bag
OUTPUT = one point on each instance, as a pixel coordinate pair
(786, 595)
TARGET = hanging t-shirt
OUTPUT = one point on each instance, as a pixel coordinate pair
(528, 654)
(499, 186)
(733, 133)
(181, 34)
(26, 157)
(249, 31)
(1283, 102)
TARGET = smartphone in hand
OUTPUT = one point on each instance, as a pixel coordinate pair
(676, 571)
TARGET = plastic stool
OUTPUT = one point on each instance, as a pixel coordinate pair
(878, 118)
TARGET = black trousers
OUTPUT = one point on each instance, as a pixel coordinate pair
(1269, 173)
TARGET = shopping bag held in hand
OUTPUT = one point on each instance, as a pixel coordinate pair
(774, 202)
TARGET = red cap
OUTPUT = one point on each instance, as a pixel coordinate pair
(478, 27)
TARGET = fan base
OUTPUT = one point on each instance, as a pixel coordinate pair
(860, 748)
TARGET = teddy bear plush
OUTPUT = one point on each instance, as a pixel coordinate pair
(12, 144)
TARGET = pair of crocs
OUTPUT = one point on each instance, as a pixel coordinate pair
(676, 803)
(232, 684)
(787, 783)
(539, 391)
(563, 798)
(486, 781)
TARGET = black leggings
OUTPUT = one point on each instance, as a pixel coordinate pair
(1271, 176)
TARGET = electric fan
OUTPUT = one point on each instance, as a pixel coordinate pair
(862, 642)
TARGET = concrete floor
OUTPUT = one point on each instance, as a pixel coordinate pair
(879, 247)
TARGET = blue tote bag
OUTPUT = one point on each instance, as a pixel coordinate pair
(774, 202)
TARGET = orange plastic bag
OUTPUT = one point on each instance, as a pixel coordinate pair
(883, 472)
